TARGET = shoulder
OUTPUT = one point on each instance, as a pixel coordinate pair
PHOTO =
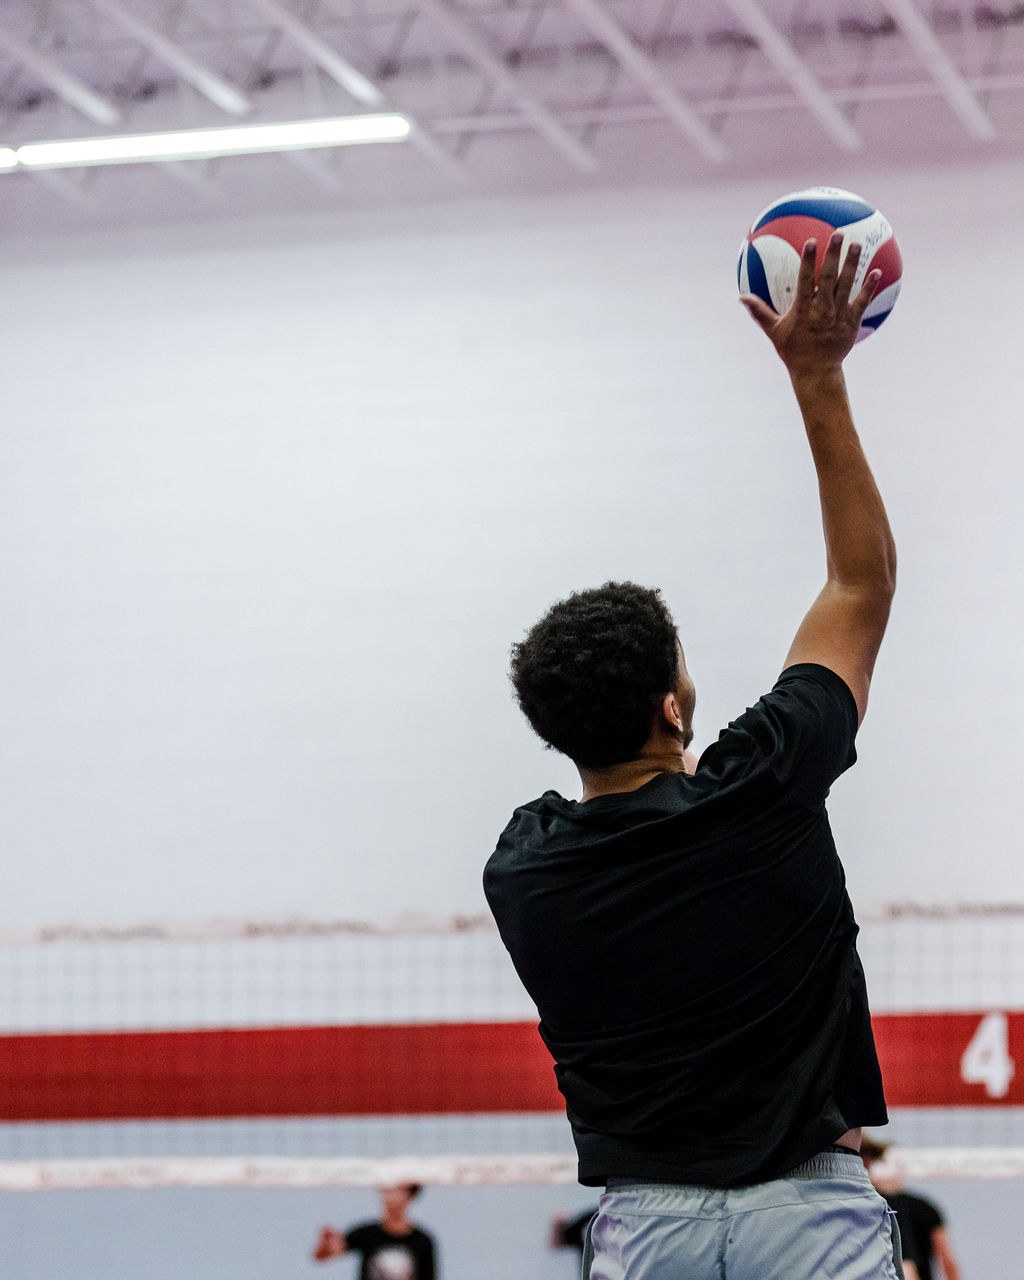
(801, 733)
(422, 1241)
(808, 694)
(805, 697)
(363, 1235)
(546, 808)
(536, 815)
(812, 675)
(924, 1211)
(530, 825)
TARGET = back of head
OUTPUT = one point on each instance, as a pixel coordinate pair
(589, 676)
(871, 1149)
(397, 1196)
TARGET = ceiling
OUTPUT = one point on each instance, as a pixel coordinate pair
(506, 95)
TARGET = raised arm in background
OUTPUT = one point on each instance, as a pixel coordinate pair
(844, 627)
(331, 1244)
(942, 1249)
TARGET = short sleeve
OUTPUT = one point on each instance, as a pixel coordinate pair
(361, 1238)
(573, 1232)
(928, 1216)
(429, 1261)
(803, 731)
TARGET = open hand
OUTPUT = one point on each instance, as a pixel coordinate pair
(330, 1245)
(818, 331)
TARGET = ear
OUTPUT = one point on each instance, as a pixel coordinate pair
(672, 712)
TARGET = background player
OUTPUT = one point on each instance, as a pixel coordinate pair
(392, 1249)
(920, 1220)
(570, 1233)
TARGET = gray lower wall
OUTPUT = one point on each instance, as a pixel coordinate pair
(484, 1233)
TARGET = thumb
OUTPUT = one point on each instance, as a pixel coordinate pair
(759, 310)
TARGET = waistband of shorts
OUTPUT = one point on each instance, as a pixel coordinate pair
(834, 1161)
(831, 1162)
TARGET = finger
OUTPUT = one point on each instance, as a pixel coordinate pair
(830, 267)
(805, 277)
(759, 311)
(860, 304)
(844, 285)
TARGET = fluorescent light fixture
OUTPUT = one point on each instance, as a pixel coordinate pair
(8, 158)
(202, 144)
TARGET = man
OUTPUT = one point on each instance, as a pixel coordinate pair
(920, 1220)
(685, 930)
(570, 1233)
(391, 1249)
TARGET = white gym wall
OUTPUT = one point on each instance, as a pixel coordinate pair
(276, 496)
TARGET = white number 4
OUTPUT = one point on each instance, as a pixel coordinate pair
(987, 1058)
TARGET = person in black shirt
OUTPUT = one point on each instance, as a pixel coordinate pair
(570, 1233)
(391, 1249)
(920, 1220)
(685, 930)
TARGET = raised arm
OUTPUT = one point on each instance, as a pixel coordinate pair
(331, 1244)
(844, 627)
(942, 1248)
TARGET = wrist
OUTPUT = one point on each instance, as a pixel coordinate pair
(825, 380)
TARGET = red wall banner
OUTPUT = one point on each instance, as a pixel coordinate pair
(928, 1059)
(951, 1059)
(277, 1071)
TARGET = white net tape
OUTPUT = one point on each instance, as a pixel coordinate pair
(409, 924)
(465, 1170)
(277, 1171)
(243, 929)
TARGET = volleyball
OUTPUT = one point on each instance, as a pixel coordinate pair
(770, 254)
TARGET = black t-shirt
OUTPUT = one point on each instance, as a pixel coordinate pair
(917, 1219)
(388, 1257)
(690, 947)
(573, 1234)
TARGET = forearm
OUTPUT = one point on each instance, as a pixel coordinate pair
(944, 1254)
(860, 552)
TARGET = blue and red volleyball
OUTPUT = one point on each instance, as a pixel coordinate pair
(770, 255)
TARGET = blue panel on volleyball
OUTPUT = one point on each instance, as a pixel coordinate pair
(837, 211)
(757, 280)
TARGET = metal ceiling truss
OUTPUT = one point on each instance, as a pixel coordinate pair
(782, 54)
(560, 71)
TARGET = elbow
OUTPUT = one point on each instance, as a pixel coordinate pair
(880, 594)
(881, 571)
(890, 568)
(868, 568)
(874, 581)
(887, 585)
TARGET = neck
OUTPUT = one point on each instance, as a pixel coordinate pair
(631, 774)
(395, 1222)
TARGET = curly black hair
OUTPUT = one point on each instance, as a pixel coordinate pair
(590, 674)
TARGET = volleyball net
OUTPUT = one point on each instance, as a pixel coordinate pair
(333, 1052)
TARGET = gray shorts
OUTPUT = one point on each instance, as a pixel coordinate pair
(820, 1221)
